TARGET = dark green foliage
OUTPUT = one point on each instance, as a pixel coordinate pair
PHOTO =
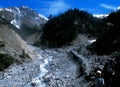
(36, 43)
(109, 41)
(114, 17)
(5, 61)
(3, 21)
(62, 29)
(2, 45)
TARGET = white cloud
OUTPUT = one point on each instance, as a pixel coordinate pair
(58, 6)
(53, 7)
(108, 6)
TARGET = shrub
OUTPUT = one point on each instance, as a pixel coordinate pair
(5, 61)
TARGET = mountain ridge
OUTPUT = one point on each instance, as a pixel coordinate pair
(26, 20)
(13, 37)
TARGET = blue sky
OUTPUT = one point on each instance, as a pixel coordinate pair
(46, 7)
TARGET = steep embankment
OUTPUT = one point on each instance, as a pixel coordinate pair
(27, 74)
(14, 45)
(26, 22)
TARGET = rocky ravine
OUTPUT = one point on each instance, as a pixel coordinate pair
(63, 67)
(26, 74)
(50, 68)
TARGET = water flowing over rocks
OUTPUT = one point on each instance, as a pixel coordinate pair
(63, 67)
(26, 74)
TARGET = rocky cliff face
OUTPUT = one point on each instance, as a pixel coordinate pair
(26, 20)
(11, 43)
(22, 17)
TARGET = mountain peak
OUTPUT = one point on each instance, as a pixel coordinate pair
(22, 16)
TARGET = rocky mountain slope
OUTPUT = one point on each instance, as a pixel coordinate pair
(70, 66)
(26, 20)
(22, 17)
(18, 25)
(13, 44)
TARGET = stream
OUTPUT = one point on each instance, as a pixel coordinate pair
(51, 68)
(28, 74)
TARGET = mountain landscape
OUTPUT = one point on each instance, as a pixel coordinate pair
(62, 51)
(26, 21)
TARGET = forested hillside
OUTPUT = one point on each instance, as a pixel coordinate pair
(109, 41)
(62, 29)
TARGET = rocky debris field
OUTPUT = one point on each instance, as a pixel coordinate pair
(26, 74)
(71, 67)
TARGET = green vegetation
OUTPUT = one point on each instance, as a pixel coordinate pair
(62, 29)
(2, 45)
(5, 61)
(109, 41)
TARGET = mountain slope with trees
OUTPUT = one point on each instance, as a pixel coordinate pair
(109, 41)
(62, 29)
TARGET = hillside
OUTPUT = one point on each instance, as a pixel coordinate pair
(18, 26)
(62, 29)
(68, 62)
(26, 22)
(109, 41)
(14, 45)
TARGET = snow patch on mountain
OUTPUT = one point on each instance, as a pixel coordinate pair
(18, 10)
(91, 41)
(16, 23)
(100, 15)
(8, 9)
(42, 16)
